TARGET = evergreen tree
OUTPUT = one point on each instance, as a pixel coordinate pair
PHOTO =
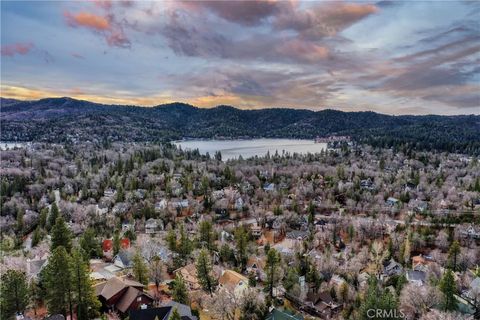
(271, 269)
(377, 299)
(291, 280)
(42, 219)
(140, 269)
(156, 268)
(13, 293)
(36, 237)
(206, 235)
(180, 291)
(90, 244)
(85, 297)
(116, 243)
(61, 235)
(204, 271)
(241, 240)
(185, 245)
(449, 289)
(58, 282)
(52, 217)
(172, 240)
(35, 293)
(453, 253)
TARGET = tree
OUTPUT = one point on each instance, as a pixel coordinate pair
(453, 253)
(116, 243)
(90, 244)
(36, 237)
(271, 269)
(85, 297)
(156, 268)
(172, 240)
(241, 240)
(13, 293)
(35, 295)
(449, 289)
(204, 271)
(251, 308)
(206, 235)
(291, 280)
(52, 217)
(61, 235)
(140, 269)
(58, 282)
(377, 299)
(179, 290)
(175, 315)
(185, 245)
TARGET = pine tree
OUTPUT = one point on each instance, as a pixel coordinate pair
(207, 235)
(58, 282)
(185, 245)
(453, 253)
(449, 289)
(116, 243)
(204, 271)
(241, 239)
(36, 237)
(85, 298)
(61, 235)
(180, 291)
(172, 240)
(271, 269)
(52, 217)
(89, 244)
(140, 269)
(13, 293)
(290, 280)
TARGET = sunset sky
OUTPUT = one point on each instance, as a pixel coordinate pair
(392, 57)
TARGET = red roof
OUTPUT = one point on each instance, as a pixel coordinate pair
(125, 243)
(107, 245)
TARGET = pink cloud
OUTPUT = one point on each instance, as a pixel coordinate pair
(10, 50)
(303, 50)
(88, 20)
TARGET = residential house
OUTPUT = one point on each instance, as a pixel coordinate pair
(421, 263)
(323, 304)
(123, 259)
(161, 205)
(35, 265)
(164, 312)
(297, 235)
(126, 225)
(122, 294)
(234, 282)
(269, 187)
(120, 208)
(471, 232)
(153, 226)
(109, 193)
(277, 314)
(392, 201)
(189, 275)
(256, 231)
(416, 277)
(392, 268)
(256, 265)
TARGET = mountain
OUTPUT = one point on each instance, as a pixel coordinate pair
(67, 119)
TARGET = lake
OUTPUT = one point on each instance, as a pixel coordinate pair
(232, 149)
(12, 145)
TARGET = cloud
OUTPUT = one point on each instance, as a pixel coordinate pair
(325, 19)
(247, 13)
(21, 48)
(88, 20)
(303, 50)
(107, 26)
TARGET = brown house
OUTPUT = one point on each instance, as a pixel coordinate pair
(122, 294)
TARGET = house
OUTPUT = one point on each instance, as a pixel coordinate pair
(109, 193)
(126, 225)
(269, 187)
(420, 263)
(123, 259)
(120, 208)
(367, 184)
(122, 294)
(234, 282)
(323, 304)
(391, 201)
(277, 314)
(35, 265)
(239, 204)
(392, 268)
(256, 231)
(474, 289)
(256, 264)
(416, 277)
(164, 312)
(421, 207)
(189, 275)
(101, 209)
(161, 205)
(297, 235)
(153, 226)
(471, 232)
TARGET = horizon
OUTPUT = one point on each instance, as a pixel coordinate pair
(396, 58)
(242, 109)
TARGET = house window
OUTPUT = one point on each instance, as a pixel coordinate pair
(139, 299)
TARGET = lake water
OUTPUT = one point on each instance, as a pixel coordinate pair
(232, 149)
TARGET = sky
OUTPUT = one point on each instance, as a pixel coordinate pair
(408, 57)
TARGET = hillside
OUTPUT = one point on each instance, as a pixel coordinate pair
(66, 119)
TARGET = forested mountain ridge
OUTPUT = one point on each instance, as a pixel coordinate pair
(66, 119)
